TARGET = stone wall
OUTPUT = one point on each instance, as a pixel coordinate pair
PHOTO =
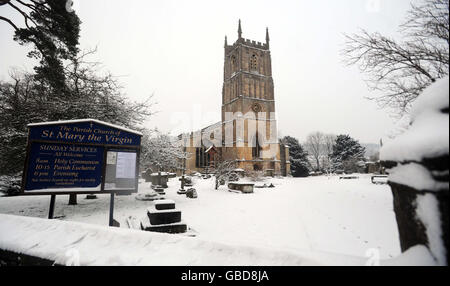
(418, 166)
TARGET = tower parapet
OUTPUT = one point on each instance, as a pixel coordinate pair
(247, 42)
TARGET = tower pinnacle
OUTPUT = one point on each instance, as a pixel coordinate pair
(267, 36)
(239, 30)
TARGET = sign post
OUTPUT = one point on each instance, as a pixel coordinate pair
(84, 156)
(111, 210)
(52, 206)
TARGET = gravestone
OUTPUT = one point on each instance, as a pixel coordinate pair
(183, 180)
(163, 217)
(181, 191)
(149, 196)
(188, 182)
(245, 188)
(191, 193)
(159, 190)
(160, 179)
(147, 175)
(91, 197)
(261, 186)
(269, 173)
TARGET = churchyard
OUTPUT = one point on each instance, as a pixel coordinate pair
(328, 220)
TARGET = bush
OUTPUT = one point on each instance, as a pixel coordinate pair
(11, 185)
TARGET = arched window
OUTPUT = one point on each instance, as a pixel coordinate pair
(253, 62)
(233, 64)
(256, 148)
(202, 159)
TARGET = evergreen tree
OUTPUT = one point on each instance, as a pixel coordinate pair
(298, 157)
(347, 154)
(54, 32)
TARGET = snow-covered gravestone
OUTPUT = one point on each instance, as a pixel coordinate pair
(417, 163)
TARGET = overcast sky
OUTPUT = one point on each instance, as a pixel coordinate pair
(174, 50)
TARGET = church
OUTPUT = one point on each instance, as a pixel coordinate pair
(247, 133)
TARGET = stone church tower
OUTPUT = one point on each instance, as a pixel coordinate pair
(248, 91)
(247, 132)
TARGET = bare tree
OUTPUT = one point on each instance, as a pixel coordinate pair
(402, 70)
(223, 170)
(329, 141)
(163, 150)
(314, 145)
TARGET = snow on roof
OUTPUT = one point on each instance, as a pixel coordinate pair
(215, 125)
(85, 120)
(428, 135)
(209, 149)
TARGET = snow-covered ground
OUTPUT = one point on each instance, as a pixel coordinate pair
(300, 215)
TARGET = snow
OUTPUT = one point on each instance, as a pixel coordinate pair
(164, 202)
(428, 213)
(302, 221)
(435, 98)
(428, 135)
(418, 255)
(60, 241)
(85, 120)
(415, 176)
(162, 174)
(152, 210)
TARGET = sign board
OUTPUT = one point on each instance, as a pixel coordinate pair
(81, 156)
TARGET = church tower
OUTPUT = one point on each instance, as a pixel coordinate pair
(247, 133)
(247, 76)
(248, 89)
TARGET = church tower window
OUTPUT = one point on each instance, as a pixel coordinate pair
(256, 149)
(254, 63)
(233, 64)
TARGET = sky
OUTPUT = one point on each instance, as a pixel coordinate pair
(173, 49)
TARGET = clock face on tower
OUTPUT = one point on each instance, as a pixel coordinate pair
(256, 107)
